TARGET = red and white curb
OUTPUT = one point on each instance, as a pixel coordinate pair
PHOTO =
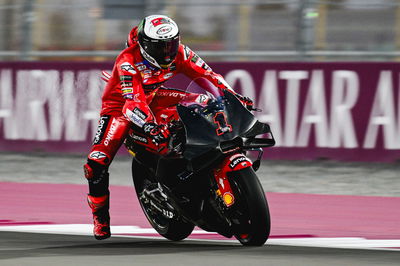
(200, 235)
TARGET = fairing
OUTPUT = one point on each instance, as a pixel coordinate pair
(209, 124)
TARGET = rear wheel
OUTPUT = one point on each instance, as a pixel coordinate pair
(251, 212)
(171, 228)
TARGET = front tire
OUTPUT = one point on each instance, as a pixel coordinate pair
(251, 209)
(172, 229)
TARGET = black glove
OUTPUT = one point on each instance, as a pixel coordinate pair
(158, 133)
(246, 101)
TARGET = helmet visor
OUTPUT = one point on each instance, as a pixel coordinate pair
(163, 51)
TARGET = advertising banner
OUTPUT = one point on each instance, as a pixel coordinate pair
(341, 111)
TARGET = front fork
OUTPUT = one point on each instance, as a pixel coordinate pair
(231, 163)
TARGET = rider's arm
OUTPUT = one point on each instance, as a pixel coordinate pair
(136, 108)
(195, 67)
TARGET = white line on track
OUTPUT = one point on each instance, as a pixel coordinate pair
(129, 231)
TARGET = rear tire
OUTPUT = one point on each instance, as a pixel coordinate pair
(172, 229)
(252, 206)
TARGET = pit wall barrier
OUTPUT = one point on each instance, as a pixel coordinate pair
(342, 110)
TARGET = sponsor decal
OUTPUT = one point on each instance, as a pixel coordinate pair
(202, 98)
(200, 62)
(237, 161)
(127, 91)
(195, 58)
(164, 30)
(131, 96)
(147, 75)
(128, 67)
(159, 21)
(168, 213)
(171, 94)
(172, 67)
(140, 113)
(103, 122)
(111, 132)
(148, 127)
(97, 155)
(139, 138)
(140, 66)
(126, 84)
(125, 77)
(136, 97)
(135, 118)
(186, 50)
(168, 75)
(128, 96)
(228, 199)
(206, 67)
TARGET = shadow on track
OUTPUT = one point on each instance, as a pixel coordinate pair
(17, 245)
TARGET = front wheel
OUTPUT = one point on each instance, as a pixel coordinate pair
(173, 229)
(251, 210)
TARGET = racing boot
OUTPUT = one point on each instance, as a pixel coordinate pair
(101, 216)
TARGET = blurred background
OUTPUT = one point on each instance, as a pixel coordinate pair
(324, 72)
(292, 56)
(224, 30)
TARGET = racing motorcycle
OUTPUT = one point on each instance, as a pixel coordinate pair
(205, 178)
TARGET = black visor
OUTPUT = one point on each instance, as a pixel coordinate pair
(163, 51)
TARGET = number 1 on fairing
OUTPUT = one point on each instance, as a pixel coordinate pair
(223, 126)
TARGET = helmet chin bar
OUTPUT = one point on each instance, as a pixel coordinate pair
(149, 57)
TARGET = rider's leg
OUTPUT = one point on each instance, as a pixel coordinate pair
(110, 134)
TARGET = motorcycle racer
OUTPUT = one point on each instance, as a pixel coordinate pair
(132, 96)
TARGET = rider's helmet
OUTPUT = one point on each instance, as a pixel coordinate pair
(158, 37)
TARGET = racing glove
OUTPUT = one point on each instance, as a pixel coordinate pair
(158, 133)
(246, 101)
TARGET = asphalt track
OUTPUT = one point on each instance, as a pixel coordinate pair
(52, 249)
(44, 220)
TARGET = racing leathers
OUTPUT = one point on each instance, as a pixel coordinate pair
(132, 96)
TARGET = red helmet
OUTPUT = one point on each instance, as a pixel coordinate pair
(158, 37)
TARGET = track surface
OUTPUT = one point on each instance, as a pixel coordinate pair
(302, 224)
(39, 249)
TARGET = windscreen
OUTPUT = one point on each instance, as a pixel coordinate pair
(201, 92)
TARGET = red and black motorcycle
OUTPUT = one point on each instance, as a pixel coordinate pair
(205, 179)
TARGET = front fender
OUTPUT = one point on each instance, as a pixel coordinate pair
(231, 163)
(235, 162)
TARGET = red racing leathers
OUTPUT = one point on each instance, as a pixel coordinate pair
(132, 95)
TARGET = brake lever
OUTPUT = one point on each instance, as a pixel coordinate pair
(251, 108)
